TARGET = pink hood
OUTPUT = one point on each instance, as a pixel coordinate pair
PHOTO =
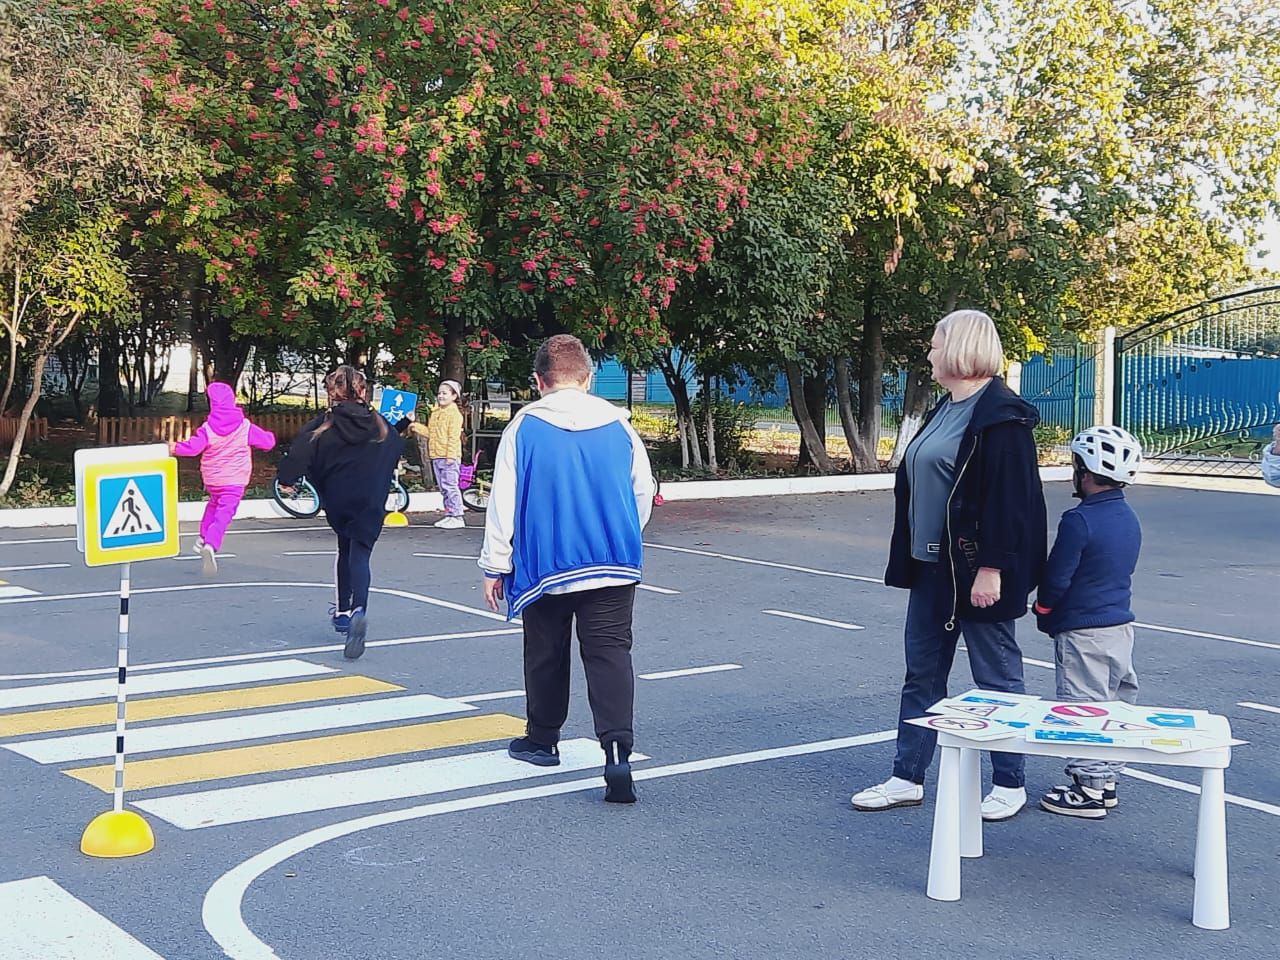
(224, 415)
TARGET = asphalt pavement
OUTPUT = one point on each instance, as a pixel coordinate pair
(310, 808)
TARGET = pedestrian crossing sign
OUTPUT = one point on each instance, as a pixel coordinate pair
(127, 500)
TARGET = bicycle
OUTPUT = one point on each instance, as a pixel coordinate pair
(474, 485)
(303, 501)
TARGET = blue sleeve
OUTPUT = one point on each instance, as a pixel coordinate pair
(1064, 558)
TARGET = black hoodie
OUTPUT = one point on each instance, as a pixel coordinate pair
(996, 514)
(349, 454)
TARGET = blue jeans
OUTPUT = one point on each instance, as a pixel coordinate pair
(994, 660)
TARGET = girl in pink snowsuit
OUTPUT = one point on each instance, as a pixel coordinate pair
(224, 445)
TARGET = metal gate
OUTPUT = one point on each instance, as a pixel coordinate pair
(1200, 387)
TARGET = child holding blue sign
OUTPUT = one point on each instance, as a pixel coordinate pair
(444, 443)
(1085, 602)
(224, 443)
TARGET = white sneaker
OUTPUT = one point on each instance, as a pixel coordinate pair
(197, 547)
(1002, 803)
(451, 523)
(210, 559)
(894, 792)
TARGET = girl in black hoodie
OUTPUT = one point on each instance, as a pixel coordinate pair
(349, 454)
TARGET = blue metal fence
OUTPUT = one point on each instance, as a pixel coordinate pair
(1061, 386)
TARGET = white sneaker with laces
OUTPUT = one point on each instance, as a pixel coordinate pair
(1002, 803)
(197, 547)
(451, 523)
(210, 559)
(894, 792)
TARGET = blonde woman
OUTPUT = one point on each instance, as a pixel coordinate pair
(969, 542)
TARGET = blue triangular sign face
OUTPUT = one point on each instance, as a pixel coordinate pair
(1053, 720)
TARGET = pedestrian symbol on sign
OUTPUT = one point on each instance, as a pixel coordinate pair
(133, 520)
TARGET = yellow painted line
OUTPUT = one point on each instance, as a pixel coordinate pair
(299, 754)
(191, 704)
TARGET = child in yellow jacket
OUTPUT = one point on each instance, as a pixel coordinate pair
(444, 446)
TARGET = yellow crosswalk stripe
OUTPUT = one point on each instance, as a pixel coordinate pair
(299, 754)
(191, 704)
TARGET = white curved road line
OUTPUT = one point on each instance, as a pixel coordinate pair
(222, 904)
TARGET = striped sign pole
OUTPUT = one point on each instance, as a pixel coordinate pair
(120, 832)
(122, 665)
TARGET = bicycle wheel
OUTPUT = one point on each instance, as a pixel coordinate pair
(398, 498)
(304, 502)
(476, 498)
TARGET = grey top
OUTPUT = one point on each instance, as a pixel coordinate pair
(931, 473)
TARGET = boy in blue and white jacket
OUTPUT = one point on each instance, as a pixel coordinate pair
(572, 491)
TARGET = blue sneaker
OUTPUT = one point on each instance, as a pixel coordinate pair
(341, 621)
(530, 751)
(354, 648)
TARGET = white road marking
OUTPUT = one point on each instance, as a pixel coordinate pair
(310, 553)
(259, 655)
(221, 913)
(818, 620)
(256, 726)
(665, 591)
(496, 695)
(9, 590)
(36, 566)
(447, 556)
(268, 584)
(351, 788)
(18, 543)
(220, 556)
(766, 563)
(1259, 706)
(1034, 663)
(1258, 805)
(42, 921)
(691, 671)
(105, 688)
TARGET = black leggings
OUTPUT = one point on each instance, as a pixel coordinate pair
(353, 574)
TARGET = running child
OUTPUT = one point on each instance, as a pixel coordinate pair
(1085, 603)
(225, 443)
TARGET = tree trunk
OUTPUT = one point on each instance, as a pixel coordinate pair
(690, 451)
(815, 399)
(108, 372)
(27, 409)
(915, 404)
(871, 376)
(454, 365)
(193, 378)
(811, 441)
(864, 461)
(713, 465)
(13, 325)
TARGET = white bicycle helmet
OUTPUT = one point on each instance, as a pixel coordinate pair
(1109, 452)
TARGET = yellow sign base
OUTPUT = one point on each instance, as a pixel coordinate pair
(396, 519)
(117, 834)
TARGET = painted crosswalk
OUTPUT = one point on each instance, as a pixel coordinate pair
(255, 741)
(42, 921)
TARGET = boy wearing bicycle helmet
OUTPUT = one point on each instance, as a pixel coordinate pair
(1085, 602)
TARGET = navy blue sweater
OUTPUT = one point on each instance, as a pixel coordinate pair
(1088, 579)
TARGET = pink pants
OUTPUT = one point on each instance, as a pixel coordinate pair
(218, 513)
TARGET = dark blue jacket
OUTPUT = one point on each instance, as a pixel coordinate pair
(995, 515)
(1088, 579)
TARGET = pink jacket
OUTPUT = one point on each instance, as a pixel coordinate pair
(225, 440)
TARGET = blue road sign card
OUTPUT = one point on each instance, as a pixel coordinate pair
(396, 403)
(132, 510)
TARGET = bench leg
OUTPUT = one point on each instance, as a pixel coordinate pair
(944, 852)
(970, 803)
(1212, 909)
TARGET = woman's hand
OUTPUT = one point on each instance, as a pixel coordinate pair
(986, 588)
(173, 446)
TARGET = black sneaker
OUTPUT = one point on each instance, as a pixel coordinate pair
(530, 751)
(618, 785)
(1076, 800)
(356, 631)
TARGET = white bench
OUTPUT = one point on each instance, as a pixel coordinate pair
(957, 817)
